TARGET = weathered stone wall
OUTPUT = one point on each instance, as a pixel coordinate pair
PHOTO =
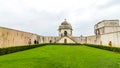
(80, 39)
(91, 39)
(77, 39)
(106, 31)
(105, 23)
(111, 29)
(46, 39)
(106, 26)
(113, 37)
(10, 37)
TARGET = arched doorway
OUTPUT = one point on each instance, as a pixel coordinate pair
(65, 41)
(65, 33)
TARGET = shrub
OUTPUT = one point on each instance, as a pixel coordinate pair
(8, 50)
(114, 49)
(63, 44)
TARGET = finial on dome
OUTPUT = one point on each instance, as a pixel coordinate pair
(65, 19)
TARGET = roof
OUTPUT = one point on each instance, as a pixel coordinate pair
(65, 25)
(67, 37)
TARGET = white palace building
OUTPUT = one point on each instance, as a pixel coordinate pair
(106, 31)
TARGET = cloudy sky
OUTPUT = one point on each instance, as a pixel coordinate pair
(44, 16)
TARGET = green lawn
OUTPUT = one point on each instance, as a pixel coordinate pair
(61, 57)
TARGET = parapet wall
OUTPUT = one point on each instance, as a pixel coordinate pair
(11, 37)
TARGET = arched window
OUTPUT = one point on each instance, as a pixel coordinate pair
(65, 33)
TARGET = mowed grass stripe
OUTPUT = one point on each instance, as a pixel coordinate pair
(61, 57)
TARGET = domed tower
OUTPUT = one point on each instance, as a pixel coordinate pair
(65, 29)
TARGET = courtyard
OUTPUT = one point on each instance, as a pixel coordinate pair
(61, 56)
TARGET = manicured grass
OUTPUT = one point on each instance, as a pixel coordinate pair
(61, 57)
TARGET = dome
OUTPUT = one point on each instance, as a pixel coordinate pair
(65, 25)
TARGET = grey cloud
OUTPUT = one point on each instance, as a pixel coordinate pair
(109, 4)
(46, 23)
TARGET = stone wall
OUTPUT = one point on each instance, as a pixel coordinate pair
(46, 39)
(106, 26)
(111, 29)
(10, 37)
(113, 37)
(91, 39)
(105, 23)
(106, 31)
(80, 39)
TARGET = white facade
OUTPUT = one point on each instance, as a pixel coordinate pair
(65, 39)
(65, 33)
(69, 32)
(107, 26)
(108, 31)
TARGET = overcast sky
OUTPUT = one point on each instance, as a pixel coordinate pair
(43, 17)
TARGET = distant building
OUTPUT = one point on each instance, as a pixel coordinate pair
(107, 32)
(65, 33)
